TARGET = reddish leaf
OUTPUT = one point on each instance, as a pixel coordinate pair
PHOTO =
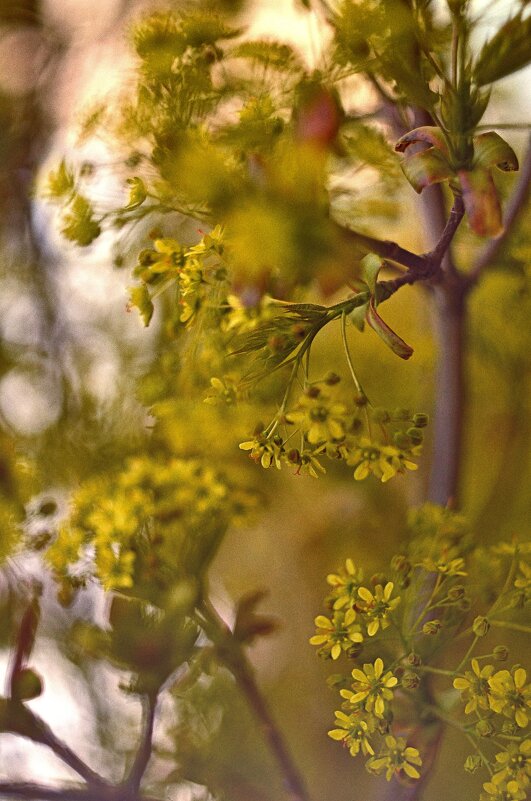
(428, 134)
(490, 150)
(481, 201)
(426, 168)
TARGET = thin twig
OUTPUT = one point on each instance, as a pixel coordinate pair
(146, 745)
(456, 215)
(235, 659)
(31, 792)
(22, 721)
(515, 207)
(385, 248)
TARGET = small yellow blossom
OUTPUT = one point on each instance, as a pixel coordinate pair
(377, 606)
(396, 758)
(474, 687)
(510, 695)
(338, 634)
(354, 732)
(321, 418)
(345, 585)
(371, 688)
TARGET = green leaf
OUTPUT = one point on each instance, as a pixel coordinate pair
(371, 264)
(508, 51)
(490, 150)
(137, 193)
(141, 299)
(482, 204)
(391, 339)
(426, 168)
(78, 223)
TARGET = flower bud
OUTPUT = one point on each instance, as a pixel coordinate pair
(312, 392)
(378, 578)
(472, 763)
(420, 420)
(500, 653)
(480, 626)
(509, 728)
(413, 659)
(380, 415)
(332, 378)
(402, 414)
(484, 728)
(400, 564)
(432, 627)
(355, 650)
(416, 435)
(361, 400)
(401, 440)
(410, 680)
(456, 593)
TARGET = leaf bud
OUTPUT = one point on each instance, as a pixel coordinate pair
(416, 435)
(456, 593)
(420, 420)
(413, 659)
(480, 626)
(500, 653)
(432, 627)
(410, 680)
(484, 728)
(332, 378)
(472, 763)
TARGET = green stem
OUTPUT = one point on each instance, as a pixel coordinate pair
(506, 624)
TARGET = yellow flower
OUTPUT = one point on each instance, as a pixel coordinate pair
(353, 732)
(378, 606)
(475, 688)
(383, 461)
(513, 768)
(266, 451)
(397, 757)
(319, 417)
(510, 695)
(371, 688)
(345, 585)
(338, 634)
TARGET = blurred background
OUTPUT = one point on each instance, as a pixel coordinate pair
(70, 362)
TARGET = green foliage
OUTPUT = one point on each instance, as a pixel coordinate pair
(506, 52)
(79, 225)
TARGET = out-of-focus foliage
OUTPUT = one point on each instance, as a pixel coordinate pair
(241, 172)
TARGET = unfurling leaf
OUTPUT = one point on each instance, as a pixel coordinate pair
(61, 182)
(481, 201)
(78, 222)
(490, 150)
(391, 339)
(426, 168)
(371, 264)
(429, 134)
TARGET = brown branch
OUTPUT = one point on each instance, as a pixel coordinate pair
(384, 248)
(143, 755)
(39, 792)
(452, 224)
(515, 208)
(18, 719)
(231, 652)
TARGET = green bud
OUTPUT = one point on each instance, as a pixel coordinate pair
(480, 626)
(420, 420)
(401, 440)
(400, 564)
(402, 414)
(413, 659)
(484, 728)
(380, 415)
(472, 763)
(432, 627)
(500, 653)
(456, 593)
(416, 435)
(510, 728)
(27, 684)
(410, 680)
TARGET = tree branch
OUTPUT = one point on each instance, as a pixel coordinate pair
(143, 755)
(32, 792)
(385, 248)
(515, 208)
(18, 719)
(233, 656)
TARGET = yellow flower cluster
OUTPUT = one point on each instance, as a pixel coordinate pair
(153, 521)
